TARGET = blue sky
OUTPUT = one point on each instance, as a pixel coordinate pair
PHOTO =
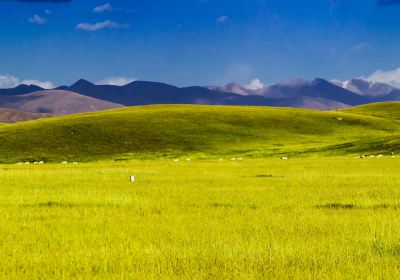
(198, 42)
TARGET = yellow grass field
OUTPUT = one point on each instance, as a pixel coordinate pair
(312, 218)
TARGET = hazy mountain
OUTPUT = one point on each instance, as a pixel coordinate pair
(319, 88)
(55, 102)
(366, 88)
(19, 90)
(13, 116)
(234, 88)
(84, 96)
(145, 93)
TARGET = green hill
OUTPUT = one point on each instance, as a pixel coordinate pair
(384, 109)
(151, 132)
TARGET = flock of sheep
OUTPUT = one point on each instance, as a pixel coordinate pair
(40, 163)
(188, 159)
(373, 156)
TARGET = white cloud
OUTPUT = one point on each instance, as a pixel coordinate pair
(45, 85)
(108, 24)
(255, 84)
(103, 8)
(391, 77)
(222, 19)
(8, 81)
(361, 46)
(36, 19)
(116, 81)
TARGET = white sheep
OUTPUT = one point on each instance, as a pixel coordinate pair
(284, 158)
(64, 162)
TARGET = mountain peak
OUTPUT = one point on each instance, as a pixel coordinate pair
(82, 83)
(319, 81)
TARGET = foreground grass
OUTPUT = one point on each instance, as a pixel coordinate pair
(302, 219)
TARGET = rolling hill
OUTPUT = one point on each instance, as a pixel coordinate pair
(13, 116)
(212, 132)
(55, 102)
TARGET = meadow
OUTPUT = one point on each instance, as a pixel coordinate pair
(305, 218)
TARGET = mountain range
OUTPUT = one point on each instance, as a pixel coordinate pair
(84, 96)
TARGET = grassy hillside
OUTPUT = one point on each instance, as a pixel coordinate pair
(195, 131)
(383, 109)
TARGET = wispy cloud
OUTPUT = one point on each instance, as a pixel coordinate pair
(116, 81)
(360, 47)
(103, 8)
(9, 81)
(36, 19)
(222, 19)
(108, 24)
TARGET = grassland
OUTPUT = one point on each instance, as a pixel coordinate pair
(256, 219)
(322, 214)
(204, 132)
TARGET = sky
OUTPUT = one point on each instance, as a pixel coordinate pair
(198, 42)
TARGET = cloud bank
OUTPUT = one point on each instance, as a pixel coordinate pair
(255, 84)
(391, 77)
(9, 81)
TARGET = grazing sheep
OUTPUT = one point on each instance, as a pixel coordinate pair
(380, 156)
(27, 163)
(132, 179)
(41, 162)
(36, 162)
(239, 159)
(221, 159)
(19, 163)
(176, 160)
(64, 162)
(284, 158)
(75, 162)
(188, 159)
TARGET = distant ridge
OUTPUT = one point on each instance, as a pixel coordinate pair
(318, 94)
